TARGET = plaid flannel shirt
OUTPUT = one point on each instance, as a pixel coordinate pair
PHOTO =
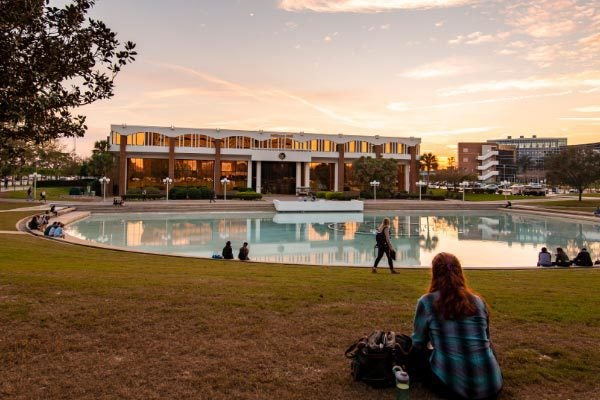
(462, 357)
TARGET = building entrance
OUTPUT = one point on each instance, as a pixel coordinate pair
(278, 177)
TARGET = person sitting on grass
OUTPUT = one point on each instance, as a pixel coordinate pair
(583, 258)
(34, 224)
(562, 260)
(244, 251)
(451, 337)
(544, 258)
(59, 231)
(227, 252)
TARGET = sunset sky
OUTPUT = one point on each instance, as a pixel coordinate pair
(443, 70)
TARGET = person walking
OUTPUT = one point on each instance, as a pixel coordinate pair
(244, 252)
(29, 198)
(43, 196)
(384, 245)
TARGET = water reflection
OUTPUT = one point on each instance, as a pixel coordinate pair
(479, 239)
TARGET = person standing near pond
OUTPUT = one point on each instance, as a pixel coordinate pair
(384, 245)
(244, 252)
(227, 252)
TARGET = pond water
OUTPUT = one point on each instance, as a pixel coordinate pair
(478, 238)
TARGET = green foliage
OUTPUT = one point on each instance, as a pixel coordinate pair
(76, 191)
(102, 161)
(243, 189)
(428, 162)
(345, 195)
(454, 176)
(195, 193)
(52, 61)
(576, 167)
(247, 195)
(383, 170)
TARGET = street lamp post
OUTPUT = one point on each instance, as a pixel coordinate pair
(225, 181)
(420, 184)
(464, 185)
(167, 181)
(375, 184)
(104, 181)
(35, 177)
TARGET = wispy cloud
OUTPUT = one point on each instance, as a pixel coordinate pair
(459, 131)
(442, 68)
(404, 107)
(589, 109)
(580, 80)
(478, 38)
(580, 119)
(547, 18)
(367, 6)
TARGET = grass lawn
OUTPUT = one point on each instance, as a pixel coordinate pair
(8, 220)
(13, 205)
(585, 194)
(575, 205)
(52, 193)
(481, 196)
(89, 323)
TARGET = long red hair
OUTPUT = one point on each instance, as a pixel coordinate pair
(456, 300)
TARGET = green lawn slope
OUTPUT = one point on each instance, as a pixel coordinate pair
(78, 322)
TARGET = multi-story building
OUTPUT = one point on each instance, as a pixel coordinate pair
(531, 152)
(273, 162)
(595, 147)
(480, 159)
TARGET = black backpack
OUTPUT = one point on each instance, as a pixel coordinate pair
(374, 356)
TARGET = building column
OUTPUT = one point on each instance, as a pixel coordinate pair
(414, 168)
(171, 158)
(378, 149)
(341, 167)
(217, 167)
(335, 177)
(258, 176)
(249, 179)
(407, 178)
(307, 174)
(123, 166)
(298, 176)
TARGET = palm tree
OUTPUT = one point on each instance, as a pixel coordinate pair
(428, 162)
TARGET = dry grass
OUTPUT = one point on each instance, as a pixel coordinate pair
(5, 205)
(89, 323)
(9, 219)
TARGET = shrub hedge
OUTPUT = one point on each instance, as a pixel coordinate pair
(346, 195)
(192, 192)
(247, 195)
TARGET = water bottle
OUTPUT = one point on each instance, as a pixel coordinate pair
(402, 383)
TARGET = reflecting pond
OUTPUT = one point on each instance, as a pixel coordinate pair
(479, 238)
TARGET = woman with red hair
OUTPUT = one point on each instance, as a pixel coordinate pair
(454, 322)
